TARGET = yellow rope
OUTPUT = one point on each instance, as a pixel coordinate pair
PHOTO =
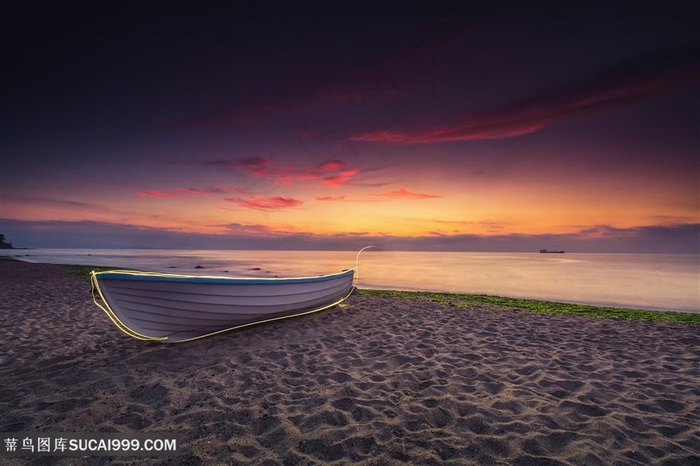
(357, 262)
(121, 325)
(266, 320)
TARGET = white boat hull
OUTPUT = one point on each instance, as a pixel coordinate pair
(176, 308)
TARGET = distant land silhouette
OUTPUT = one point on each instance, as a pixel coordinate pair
(3, 244)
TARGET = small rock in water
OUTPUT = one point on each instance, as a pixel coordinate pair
(199, 267)
(255, 268)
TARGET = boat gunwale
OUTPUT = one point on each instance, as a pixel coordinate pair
(133, 275)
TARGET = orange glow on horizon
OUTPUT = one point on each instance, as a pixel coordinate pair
(496, 209)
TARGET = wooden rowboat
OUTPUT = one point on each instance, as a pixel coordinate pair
(175, 308)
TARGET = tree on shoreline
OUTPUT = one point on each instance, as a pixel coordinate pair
(3, 244)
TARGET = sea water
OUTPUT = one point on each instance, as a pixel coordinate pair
(646, 281)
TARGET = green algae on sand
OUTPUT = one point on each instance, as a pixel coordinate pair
(533, 305)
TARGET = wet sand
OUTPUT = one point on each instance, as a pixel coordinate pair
(374, 381)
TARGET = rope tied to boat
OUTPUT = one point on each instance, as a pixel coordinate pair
(357, 262)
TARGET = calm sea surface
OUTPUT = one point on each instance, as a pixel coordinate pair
(646, 281)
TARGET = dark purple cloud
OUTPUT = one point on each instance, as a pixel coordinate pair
(660, 239)
(184, 192)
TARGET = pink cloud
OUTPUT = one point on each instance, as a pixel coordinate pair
(519, 120)
(266, 203)
(630, 82)
(498, 127)
(330, 172)
(341, 178)
(342, 197)
(335, 172)
(405, 193)
(331, 165)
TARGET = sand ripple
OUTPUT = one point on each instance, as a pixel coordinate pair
(372, 382)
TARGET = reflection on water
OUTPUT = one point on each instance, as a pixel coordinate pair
(629, 280)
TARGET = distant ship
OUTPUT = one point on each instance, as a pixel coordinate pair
(546, 251)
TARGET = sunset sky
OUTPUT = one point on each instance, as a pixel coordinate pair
(488, 128)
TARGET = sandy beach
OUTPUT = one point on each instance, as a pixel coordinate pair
(374, 381)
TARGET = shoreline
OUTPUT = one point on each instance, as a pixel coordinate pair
(536, 305)
(662, 283)
(375, 380)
